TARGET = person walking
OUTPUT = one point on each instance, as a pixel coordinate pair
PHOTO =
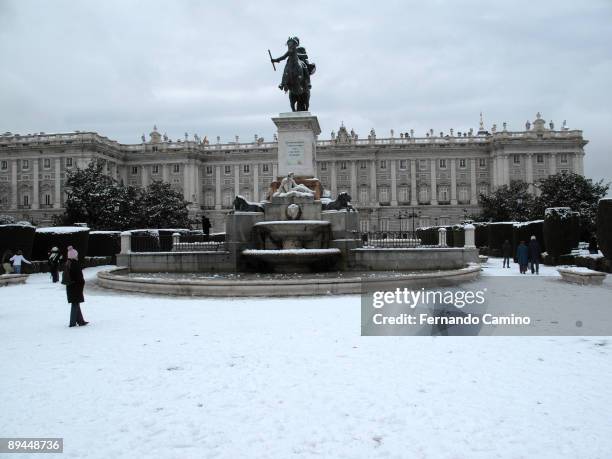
(74, 281)
(55, 260)
(6, 262)
(206, 226)
(522, 254)
(534, 255)
(17, 260)
(507, 253)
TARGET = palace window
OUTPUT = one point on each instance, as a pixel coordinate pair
(482, 162)
(424, 194)
(403, 164)
(227, 170)
(364, 225)
(343, 165)
(155, 169)
(384, 224)
(68, 162)
(422, 164)
(363, 165)
(383, 194)
(564, 158)
(47, 163)
(26, 200)
(47, 199)
(323, 166)
(209, 170)
(363, 194)
(442, 164)
(4, 165)
(25, 164)
(227, 198)
(266, 168)
(516, 159)
(383, 164)
(424, 222)
(246, 168)
(483, 189)
(443, 194)
(209, 198)
(404, 194)
(463, 194)
(176, 168)
(540, 159)
(462, 163)
(134, 170)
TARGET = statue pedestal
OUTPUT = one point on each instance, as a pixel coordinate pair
(297, 143)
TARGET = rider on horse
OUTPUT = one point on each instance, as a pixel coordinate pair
(296, 76)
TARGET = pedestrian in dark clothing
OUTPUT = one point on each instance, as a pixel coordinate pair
(74, 281)
(522, 254)
(507, 253)
(55, 260)
(534, 255)
(206, 225)
(593, 248)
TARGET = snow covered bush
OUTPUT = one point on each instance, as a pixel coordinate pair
(498, 232)
(104, 243)
(15, 237)
(561, 231)
(60, 237)
(604, 227)
(522, 231)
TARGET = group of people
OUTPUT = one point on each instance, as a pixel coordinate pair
(527, 255)
(72, 276)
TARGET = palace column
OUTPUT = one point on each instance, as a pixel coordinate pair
(35, 190)
(256, 182)
(145, 176)
(393, 182)
(354, 180)
(14, 184)
(197, 184)
(57, 202)
(494, 172)
(453, 182)
(413, 187)
(529, 171)
(334, 180)
(186, 182)
(434, 185)
(553, 164)
(236, 179)
(506, 170)
(373, 185)
(218, 187)
(166, 173)
(473, 191)
(274, 172)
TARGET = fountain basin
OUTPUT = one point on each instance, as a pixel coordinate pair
(294, 260)
(293, 234)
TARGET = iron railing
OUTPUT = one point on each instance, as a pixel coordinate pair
(390, 239)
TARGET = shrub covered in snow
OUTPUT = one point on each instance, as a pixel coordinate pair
(6, 220)
(104, 243)
(458, 238)
(524, 230)
(428, 235)
(15, 237)
(60, 237)
(498, 232)
(481, 234)
(561, 231)
(604, 227)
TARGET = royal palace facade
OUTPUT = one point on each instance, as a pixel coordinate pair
(395, 182)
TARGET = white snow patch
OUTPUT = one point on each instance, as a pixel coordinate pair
(62, 229)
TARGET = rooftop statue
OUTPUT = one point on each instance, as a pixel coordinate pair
(296, 76)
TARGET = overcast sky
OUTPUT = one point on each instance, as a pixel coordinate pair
(118, 67)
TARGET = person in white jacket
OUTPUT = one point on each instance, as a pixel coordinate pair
(17, 260)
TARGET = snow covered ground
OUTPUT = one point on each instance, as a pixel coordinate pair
(165, 377)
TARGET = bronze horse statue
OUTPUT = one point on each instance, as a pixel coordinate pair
(296, 76)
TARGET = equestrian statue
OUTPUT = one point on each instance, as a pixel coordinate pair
(296, 76)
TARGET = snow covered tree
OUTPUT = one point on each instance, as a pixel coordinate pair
(163, 207)
(97, 199)
(507, 203)
(571, 190)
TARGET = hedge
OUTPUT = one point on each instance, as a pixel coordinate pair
(458, 232)
(61, 237)
(481, 234)
(104, 243)
(604, 227)
(524, 230)
(498, 232)
(15, 237)
(561, 232)
(428, 235)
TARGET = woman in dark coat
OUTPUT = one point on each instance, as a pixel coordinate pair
(507, 253)
(55, 260)
(522, 254)
(74, 281)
